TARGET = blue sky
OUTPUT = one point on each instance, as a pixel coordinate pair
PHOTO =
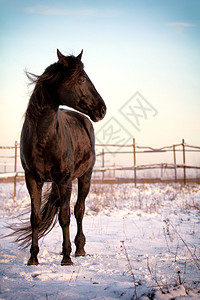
(151, 47)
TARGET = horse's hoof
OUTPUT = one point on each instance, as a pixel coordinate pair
(66, 262)
(80, 253)
(32, 262)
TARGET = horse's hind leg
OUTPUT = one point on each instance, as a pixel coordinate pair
(64, 220)
(35, 190)
(83, 190)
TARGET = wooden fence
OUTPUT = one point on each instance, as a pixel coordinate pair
(139, 149)
(13, 174)
(134, 151)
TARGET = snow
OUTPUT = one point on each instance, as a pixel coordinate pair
(142, 243)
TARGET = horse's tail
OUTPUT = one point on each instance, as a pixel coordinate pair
(49, 215)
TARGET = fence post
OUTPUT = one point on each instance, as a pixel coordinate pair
(114, 170)
(175, 170)
(134, 161)
(184, 170)
(15, 170)
(161, 173)
(103, 163)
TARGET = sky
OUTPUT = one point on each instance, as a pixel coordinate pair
(141, 55)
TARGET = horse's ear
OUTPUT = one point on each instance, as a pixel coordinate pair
(80, 55)
(61, 58)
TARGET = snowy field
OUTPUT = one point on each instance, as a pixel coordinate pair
(142, 243)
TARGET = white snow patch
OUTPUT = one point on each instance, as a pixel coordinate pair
(125, 235)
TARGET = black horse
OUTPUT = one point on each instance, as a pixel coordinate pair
(58, 145)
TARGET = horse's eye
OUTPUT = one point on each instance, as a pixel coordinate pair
(82, 80)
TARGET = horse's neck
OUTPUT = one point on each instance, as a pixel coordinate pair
(39, 103)
(41, 114)
(46, 124)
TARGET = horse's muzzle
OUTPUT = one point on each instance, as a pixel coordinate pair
(98, 114)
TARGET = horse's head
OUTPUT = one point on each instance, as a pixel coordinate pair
(77, 90)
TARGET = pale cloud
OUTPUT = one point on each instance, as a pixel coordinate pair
(181, 24)
(50, 10)
(56, 11)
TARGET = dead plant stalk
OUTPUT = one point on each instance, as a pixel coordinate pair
(192, 255)
(129, 267)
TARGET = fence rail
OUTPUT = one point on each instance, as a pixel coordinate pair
(135, 150)
(147, 149)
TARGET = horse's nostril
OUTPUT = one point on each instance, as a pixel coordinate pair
(103, 111)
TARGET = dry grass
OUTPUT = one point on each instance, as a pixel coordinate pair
(105, 197)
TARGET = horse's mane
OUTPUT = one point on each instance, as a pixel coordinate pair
(53, 75)
(58, 72)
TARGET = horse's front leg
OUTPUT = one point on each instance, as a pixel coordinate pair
(83, 190)
(35, 191)
(64, 220)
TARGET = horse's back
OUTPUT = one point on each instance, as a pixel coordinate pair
(81, 133)
(78, 123)
(69, 147)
